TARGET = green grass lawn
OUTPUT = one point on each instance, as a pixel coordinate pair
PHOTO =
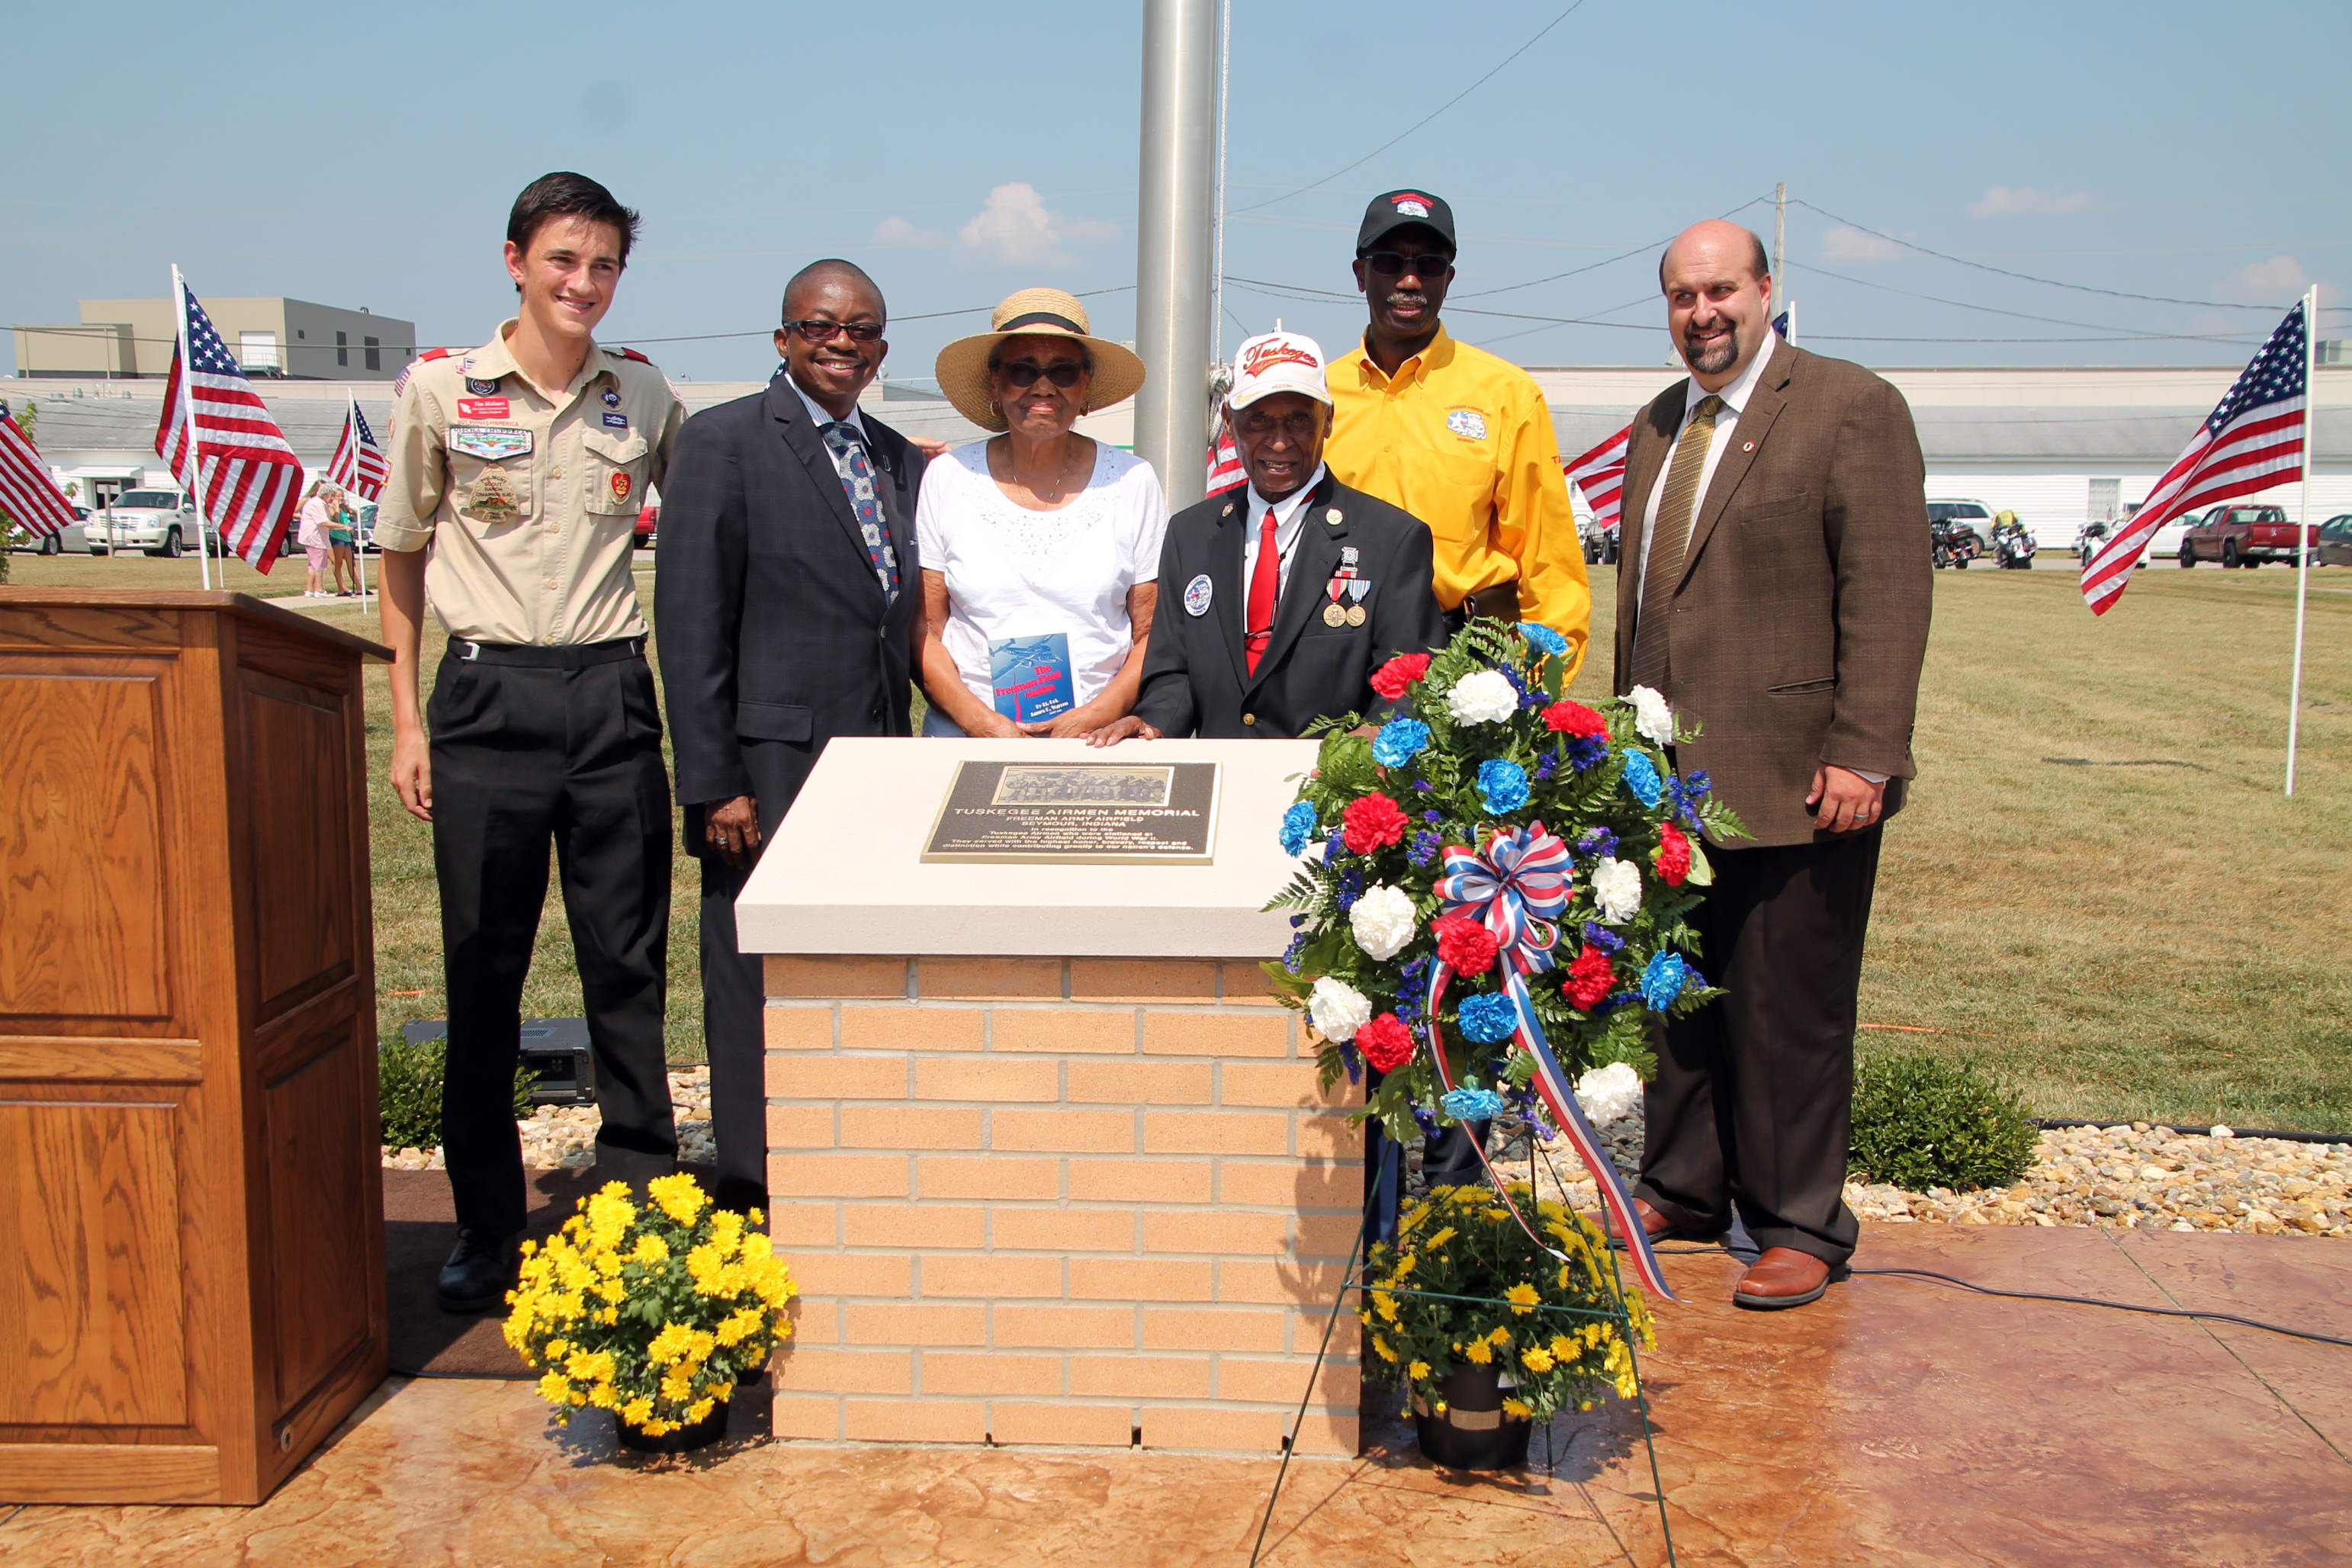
(2163, 941)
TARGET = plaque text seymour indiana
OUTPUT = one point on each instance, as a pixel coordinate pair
(1101, 814)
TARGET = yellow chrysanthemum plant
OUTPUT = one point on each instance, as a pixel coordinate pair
(1465, 1283)
(656, 1313)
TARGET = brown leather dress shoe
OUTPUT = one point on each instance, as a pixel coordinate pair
(1657, 1226)
(1784, 1276)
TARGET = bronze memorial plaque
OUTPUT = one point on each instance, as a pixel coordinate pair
(1079, 813)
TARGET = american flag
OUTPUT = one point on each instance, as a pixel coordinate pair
(27, 491)
(1600, 475)
(215, 425)
(357, 463)
(2252, 441)
(1225, 463)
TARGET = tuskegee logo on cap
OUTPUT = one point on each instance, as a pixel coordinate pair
(1277, 361)
(1410, 203)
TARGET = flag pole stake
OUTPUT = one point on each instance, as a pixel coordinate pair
(196, 441)
(2303, 541)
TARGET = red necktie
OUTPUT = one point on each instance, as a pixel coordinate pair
(1261, 592)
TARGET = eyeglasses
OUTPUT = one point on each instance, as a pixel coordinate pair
(1392, 263)
(826, 331)
(1062, 372)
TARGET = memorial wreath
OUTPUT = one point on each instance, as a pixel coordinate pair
(1496, 892)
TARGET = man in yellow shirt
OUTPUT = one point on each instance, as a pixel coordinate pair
(1456, 437)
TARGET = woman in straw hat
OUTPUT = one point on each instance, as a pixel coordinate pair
(1040, 547)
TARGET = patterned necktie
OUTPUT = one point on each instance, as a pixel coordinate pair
(857, 482)
(1662, 561)
(1263, 580)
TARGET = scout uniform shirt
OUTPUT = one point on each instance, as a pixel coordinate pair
(1463, 440)
(530, 503)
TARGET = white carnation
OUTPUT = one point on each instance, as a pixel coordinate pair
(1383, 921)
(1617, 888)
(1610, 1093)
(1652, 717)
(1482, 697)
(1338, 1009)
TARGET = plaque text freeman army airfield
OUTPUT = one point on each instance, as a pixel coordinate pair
(1077, 814)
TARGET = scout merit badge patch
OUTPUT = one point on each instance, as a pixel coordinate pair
(479, 387)
(492, 499)
(612, 398)
(1468, 422)
(1197, 595)
(491, 443)
(484, 408)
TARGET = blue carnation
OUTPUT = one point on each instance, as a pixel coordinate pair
(1472, 1104)
(1542, 638)
(1298, 823)
(1399, 741)
(1642, 777)
(1503, 784)
(1486, 1019)
(1664, 978)
(1586, 752)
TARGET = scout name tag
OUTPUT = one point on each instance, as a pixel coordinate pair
(491, 443)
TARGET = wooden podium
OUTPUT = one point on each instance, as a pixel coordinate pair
(191, 1285)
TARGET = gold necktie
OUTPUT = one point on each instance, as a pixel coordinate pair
(1662, 561)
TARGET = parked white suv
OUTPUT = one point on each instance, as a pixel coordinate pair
(1975, 513)
(161, 522)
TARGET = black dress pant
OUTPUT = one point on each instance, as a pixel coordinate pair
(1752, 1106)
(734, 994)
(534, 745)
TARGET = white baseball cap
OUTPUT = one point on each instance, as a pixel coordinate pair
(1277, 361)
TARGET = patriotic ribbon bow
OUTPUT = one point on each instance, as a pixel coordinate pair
(1517, 890)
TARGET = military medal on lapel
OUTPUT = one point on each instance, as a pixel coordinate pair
(1344, 584)
(1357, 588)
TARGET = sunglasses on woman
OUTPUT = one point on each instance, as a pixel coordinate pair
(1062, 372)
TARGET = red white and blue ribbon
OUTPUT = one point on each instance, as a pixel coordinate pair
(1517, 890)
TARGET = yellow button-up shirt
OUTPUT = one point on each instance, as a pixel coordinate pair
(529, 499)
(1464, 441)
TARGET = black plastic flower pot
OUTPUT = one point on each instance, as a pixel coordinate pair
(1473, 1434)
(695, 1434)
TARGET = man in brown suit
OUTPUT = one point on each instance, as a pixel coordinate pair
(1776, 588)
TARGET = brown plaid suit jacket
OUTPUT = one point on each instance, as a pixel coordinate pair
(1800, 620)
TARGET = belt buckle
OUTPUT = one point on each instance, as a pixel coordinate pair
(471, 652)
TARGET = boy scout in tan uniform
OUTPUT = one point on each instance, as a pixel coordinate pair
(543, 727)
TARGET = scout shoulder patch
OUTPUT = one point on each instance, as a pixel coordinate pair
(620, 486)
(617, 421)
(629, 354)
(1197, 595)
(484, 407)
(491, 443)
(1470, 424)
(479, 387)
(612, 398)
(400, 382)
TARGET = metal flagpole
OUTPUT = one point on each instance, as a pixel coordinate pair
(359, 546)
(196, 444)
(1217, 260)
(2302, 544)
(1179, 169)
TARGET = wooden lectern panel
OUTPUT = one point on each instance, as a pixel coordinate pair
(318, 1263)
(300, 784)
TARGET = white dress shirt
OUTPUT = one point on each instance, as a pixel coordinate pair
(1287, 514)
(1726, 420)
(821, 417)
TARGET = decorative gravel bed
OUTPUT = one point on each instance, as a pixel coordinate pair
(563, 1137)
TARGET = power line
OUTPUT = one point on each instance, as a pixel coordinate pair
(1620, 256)
(2122, 333)
(1424, 119)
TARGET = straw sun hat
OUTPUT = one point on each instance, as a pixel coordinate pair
(1043, 312)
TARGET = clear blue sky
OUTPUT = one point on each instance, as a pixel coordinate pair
(367, 156)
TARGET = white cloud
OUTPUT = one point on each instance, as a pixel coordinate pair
(1017, 229)
(2272, 283)
(2000, 201)
(1844, 244)
(898, 231)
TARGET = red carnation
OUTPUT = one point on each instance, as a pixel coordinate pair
(1391, 680)
(1386, 1043)
(1372, 822)
(1574, 719)
(1588, 978)
(1674, 854)
(1465, 945)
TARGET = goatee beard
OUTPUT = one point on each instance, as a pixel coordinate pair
(1712, 361)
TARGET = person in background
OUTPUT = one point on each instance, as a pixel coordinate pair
(317, 552)
(1776, 590)
(1039, 546)
(342, 530)
(784, 592)
(1461, 439)
(515, 474)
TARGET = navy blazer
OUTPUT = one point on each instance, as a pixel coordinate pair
(1196, 679)
(774, 634)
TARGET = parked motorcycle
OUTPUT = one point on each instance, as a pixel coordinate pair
(1954, 544)
(2088, 542)
(2012, 547)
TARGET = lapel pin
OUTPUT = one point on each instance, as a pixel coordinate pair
(1747, 446)
(1229, 509)
(1333, 517)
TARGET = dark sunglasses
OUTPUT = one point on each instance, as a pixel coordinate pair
(826, 331)
(1392, 263)
(1062, 372)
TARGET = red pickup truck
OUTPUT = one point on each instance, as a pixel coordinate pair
(2243, 536)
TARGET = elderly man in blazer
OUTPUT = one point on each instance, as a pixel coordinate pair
(786, 603)
(1776, 588)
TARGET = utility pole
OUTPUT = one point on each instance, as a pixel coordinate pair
(1779, 229)
(1174, 220)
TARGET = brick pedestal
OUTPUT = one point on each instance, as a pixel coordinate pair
(1058, 1201)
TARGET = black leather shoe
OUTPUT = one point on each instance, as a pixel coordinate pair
(480, 1271)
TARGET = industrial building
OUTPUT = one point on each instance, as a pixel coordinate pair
(275, 338)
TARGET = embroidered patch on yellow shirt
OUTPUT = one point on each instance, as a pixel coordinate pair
(1469, 423)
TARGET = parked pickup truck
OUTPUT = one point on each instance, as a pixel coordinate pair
(2244, 536)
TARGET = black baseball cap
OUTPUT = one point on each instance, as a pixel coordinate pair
(1393, 210)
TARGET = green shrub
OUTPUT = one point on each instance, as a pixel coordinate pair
(1922, 1121)
(408, 1093)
